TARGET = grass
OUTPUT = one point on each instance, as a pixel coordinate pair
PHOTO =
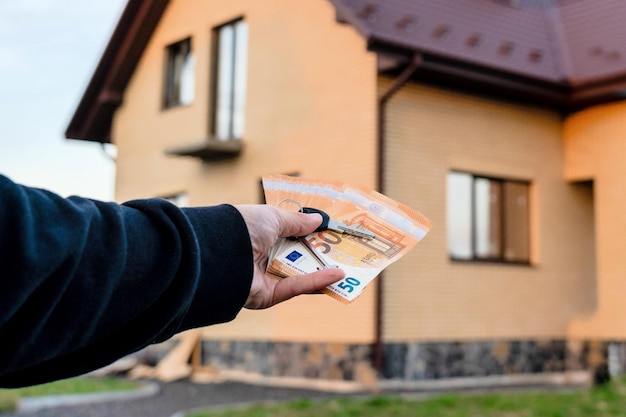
(82, 385)
(604, 401)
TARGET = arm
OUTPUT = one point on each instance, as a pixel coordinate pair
(83, 282)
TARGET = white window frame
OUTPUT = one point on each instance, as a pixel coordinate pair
(230, 80)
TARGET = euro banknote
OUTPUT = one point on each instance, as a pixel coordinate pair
(396, 227)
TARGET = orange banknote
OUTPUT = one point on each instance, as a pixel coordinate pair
(396, 229)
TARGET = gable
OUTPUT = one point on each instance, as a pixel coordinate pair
(104, 93)
(562, 53)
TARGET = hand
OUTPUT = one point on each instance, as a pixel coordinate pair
(265, 225)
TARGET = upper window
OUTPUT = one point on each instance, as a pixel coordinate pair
(231, 67)
(180, 199)
(179, 75)
(488, 218)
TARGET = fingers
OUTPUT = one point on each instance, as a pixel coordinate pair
(304, 284)
(297, 224)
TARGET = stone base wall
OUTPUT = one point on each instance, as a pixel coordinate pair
(458, 359)
(334, 361)
(414, 361)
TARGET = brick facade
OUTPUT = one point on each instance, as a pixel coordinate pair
(311, 109)
(419, 361)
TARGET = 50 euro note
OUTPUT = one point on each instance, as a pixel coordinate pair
(397, 229)
(293, 193)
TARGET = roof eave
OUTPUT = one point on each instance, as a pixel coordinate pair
(93, 116)
(344, 14)
(452, 73)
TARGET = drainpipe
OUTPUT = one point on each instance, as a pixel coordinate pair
(406, 74)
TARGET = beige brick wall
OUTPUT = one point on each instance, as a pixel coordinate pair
(429, 297)
(595, 150)
(310, 109)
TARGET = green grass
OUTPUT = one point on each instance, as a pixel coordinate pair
(81, 385)
(595, 402)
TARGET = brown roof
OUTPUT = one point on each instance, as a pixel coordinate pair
(564, 53)
(574, 50)
(94, 114)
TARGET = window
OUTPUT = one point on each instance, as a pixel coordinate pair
(231, 67)
(488, 218)
(179, 75)
(180, 199)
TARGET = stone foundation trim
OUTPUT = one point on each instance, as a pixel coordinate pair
(415, 361)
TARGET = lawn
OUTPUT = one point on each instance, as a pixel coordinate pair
(609, 400)
(81, 385)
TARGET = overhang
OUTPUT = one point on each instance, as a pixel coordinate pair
(94, 115)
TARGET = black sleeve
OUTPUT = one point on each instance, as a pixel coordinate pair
(83, 283)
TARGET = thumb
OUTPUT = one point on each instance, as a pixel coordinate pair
(305, 284)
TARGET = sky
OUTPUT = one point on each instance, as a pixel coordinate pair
(48, 52)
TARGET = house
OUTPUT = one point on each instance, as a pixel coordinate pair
(500, 120)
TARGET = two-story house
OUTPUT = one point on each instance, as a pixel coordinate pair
(500, 120)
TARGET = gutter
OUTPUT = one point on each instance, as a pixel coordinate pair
(402, 79)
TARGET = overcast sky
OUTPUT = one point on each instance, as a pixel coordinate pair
(48, 52)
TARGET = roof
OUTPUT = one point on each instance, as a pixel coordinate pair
(573, 50)
(564, 53)
(105, 91)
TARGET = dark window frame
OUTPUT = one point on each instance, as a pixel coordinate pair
(503, 238)
(172, 88)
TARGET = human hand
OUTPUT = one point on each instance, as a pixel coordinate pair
(265, 225)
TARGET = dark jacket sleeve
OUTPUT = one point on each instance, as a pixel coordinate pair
(83, 283)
